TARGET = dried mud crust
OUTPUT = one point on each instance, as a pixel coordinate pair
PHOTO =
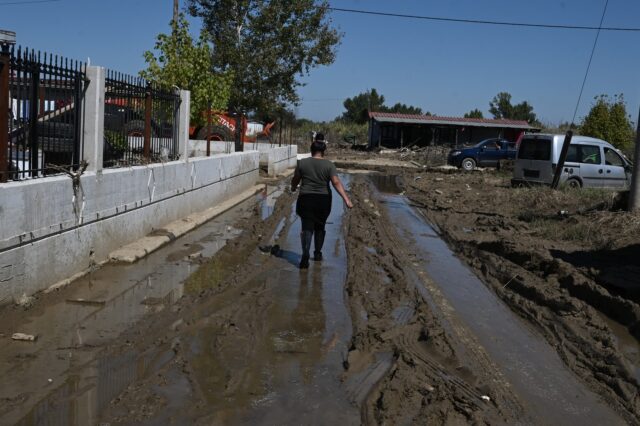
(403, 367)
(552, 257)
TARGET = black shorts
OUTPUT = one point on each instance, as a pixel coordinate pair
(314, 207)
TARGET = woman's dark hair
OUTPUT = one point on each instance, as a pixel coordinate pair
(318, 147)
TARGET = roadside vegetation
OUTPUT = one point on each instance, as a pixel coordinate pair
(553, 214)
(180, 61)
(608, 119)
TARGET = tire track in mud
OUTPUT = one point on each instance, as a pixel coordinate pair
(553, 295)
(430, 377)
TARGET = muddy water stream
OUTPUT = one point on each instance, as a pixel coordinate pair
(61, 379)
(552, 394)
(286, 367)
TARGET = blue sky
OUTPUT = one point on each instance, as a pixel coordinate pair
(445, 68)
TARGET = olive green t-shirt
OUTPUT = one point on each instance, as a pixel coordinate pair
(316, 174)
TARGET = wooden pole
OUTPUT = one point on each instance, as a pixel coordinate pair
(634, 194)
(561, 160)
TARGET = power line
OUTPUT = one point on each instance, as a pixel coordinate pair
(593, 49)
(14, 3)
(482, 22)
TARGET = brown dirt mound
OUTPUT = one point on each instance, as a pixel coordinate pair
(555, 257)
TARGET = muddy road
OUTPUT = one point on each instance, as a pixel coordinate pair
(425, 310)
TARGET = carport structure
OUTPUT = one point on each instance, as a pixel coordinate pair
(393, 130)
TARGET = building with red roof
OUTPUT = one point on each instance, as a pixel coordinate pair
(393, 130)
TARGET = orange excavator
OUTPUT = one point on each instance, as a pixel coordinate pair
(222, 127)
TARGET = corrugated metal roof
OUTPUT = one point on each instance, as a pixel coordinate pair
(389, 117)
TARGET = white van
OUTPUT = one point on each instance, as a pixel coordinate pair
(590, 162)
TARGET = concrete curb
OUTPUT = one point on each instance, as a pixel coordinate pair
(138, 249)
(67, 281)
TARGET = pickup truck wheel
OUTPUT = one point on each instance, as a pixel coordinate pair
(468, 164)
(574, 183)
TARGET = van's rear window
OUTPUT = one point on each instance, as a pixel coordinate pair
(535, 149)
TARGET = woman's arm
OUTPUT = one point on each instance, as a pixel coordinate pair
(337, 184)
(295, 180)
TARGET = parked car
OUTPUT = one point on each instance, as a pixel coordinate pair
(590, 162)
(487, 153)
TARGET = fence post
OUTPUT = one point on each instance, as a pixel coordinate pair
(148, 105)
(33, 117)
(184, 116)
(93, 119)
(239, 132)
(5, 61)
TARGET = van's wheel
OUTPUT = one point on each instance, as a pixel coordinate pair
(214, 133)
(468, 164)
(574, 183)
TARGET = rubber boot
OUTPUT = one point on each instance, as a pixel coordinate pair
(318, 240)
(305, 239)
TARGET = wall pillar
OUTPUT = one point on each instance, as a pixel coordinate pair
(184, 116)
(93, 119)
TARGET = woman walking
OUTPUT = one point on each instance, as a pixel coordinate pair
(314, 201)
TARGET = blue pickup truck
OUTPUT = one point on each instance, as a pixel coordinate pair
(487, 153)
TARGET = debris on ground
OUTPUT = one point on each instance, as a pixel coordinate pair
(25, 301)
(80, 301)
(24, 337)
(273, 250)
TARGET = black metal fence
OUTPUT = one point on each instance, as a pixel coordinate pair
(282, 132)
(41, 101)
(140, 121)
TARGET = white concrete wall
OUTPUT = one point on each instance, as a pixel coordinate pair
(259, 146)
(47, 234)
(276, 159)
(198, 148)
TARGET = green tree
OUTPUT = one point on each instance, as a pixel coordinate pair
(186, 64)
(358, 107)
(267, 44)
(404, 109)
(501, 108)
(474, 113)
(608, 120)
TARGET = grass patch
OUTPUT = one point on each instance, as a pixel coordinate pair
(543, 199)
(589, 217)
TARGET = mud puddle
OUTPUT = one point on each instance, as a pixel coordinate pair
(551, 393)
(281, 361)
(628, 346)
(61, 378)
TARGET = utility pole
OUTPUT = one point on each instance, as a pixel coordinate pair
(634, 194)
(561, 160)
